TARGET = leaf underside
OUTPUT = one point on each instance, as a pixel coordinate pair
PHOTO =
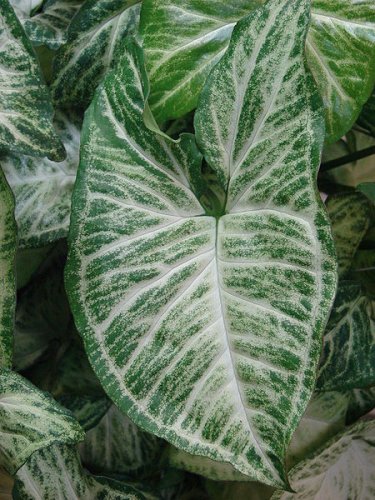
(187, 320)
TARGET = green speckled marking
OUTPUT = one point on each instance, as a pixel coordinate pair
(343, 469)
(184, 39)
(94, 42)
(43, 189)
(8, 244)
(208, 333)
(30, 420)
(348, 357)
(350, 219)
(56, 472)
(25, 107)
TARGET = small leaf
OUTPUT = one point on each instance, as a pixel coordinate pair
(368, 189)
(361, 401)
(43, 189)
(103, 452)
(25, 107)
(8, 242)
(88, 410)
(344, 468)
(30, 420)
(49, 27)
(56, 472)
(350, 218)
(94, 43)
(348, 356)
(202, 331)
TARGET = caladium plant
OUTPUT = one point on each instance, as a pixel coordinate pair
(208, 330)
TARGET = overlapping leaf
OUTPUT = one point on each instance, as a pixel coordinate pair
(350, 218)
(184, 39)
(88, 410)
(49, 27)
(94, 42)
(361, 401)
(348, 357)
(25, 107)
(43, 189)
(103, 452)
(8, 240)
(344, 468)
(205, 333)
(56, 472)
(30, 420)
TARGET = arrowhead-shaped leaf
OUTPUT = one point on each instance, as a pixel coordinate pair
(8, 242)
(56, 472)
(30, 420)
(207, 332)
(25, 107)
(344, 468)
(94, 42)
(43, 189)
(348, 357)
(184, 39)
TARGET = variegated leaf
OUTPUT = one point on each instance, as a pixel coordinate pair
(184, 39)
(363, 269)
(324, 417)
(56, 472)
(348, 357)
(203, 331)
(94, 43)
(8, 243)
(49, 27)
(88, 410)
(367, 116)
(25, 8)
(28, 261)
(25, 107)
(30, 420)
(361, 401)
(344, 468)
(103, 452)
(350, 218)
(43, 188)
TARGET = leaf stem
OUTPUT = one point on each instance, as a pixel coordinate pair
(343, 160)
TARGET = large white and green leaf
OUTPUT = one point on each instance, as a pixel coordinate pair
(43, 188)
(94, 43)
(56, 472)
(8, 244)
(324, 417)
(350, 219)
(103, 452)
(344, 468)
(49, 27)
(205, 332)
(184, 39)
(348, 356)
(25, 107)
(30, 420)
